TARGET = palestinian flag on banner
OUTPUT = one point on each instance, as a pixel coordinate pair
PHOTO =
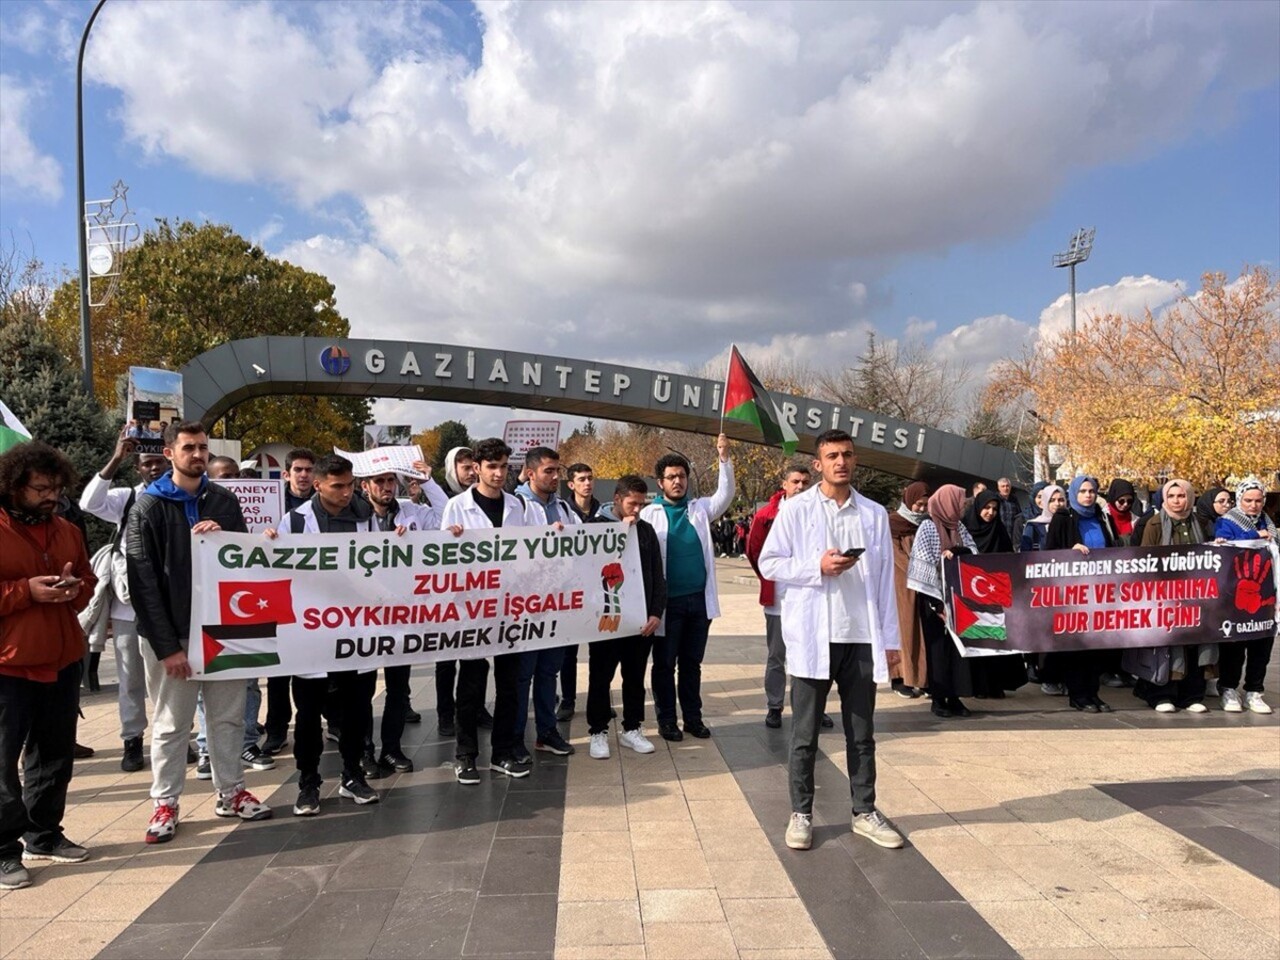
(236, 647)
(746, 399)
(12, 432)
(977, 624)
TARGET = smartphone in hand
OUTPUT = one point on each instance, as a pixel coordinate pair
(853, 553)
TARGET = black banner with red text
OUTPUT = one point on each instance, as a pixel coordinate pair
(1125, 597)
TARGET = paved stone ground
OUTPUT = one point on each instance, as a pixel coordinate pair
(1033, 831)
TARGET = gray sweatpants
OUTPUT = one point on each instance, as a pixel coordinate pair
(775, 664)
(853, 672)
(174, 705)
(132, 675)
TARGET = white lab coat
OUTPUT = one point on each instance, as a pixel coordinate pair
(463, 511)
(792, 558)
(701, 512)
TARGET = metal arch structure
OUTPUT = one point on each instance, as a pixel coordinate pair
(217, 380)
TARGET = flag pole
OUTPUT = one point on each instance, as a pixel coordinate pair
(724, 393)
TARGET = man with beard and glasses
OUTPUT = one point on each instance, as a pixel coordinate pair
(45, 580)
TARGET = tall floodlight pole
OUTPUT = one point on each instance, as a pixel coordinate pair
(1077, 251)
(86, 334)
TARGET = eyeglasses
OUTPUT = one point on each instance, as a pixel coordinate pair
(675, 476)
(43, 488)
(1123, 501)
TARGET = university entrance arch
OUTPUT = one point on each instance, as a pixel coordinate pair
(229, 374)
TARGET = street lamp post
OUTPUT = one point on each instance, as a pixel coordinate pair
(1077, 251)
(86, 334)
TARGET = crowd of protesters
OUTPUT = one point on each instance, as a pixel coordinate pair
(851, 594)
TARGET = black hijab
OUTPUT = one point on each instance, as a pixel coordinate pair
(1205, 512)
(990, 536)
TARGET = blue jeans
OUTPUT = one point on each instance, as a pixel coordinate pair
(541, 668)
(683, 645)
(252, 703)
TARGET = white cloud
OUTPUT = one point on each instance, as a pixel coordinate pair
(22, 165)
(673, 175)
(1127, 296)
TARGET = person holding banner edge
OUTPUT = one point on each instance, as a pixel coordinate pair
(158, 546)
(939, 538)
(1245, 522)
(830, 552)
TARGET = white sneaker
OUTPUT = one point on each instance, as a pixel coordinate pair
(636, 740)
(1164, 706)
(1197, 708)
(1254, 703)
(877, 829)
(599, 746)
(1231, 700)
(800, 831)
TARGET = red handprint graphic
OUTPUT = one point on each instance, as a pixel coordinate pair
(1252, 573)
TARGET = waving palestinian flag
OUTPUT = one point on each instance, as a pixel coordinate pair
(746, 399)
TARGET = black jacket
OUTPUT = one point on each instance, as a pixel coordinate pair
(651, 567)
(1064, 532)
(158, 548)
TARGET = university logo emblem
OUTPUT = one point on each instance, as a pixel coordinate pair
(335, 361)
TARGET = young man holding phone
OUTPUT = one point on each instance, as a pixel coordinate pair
(830, 552)
(45, 580)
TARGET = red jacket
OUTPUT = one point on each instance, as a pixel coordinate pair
(760, 525)
(39, 639)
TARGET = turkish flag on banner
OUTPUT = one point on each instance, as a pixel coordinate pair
(261, 601)
(987, 589)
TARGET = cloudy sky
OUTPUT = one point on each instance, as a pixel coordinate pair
(649, 182)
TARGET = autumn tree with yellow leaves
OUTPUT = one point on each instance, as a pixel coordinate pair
(1193, 392)
(186, 288)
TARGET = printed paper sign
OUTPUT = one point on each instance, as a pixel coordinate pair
(321, 602)
(1124, 597)
(370, 463)
(524, 435)
(154, 401)
(261, 501)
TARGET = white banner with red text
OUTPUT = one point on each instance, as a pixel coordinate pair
(329, 602)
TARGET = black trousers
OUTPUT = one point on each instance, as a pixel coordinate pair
(472, 676)
(569, 676)
(354, 695)
(40, 717)
(1231, 663)
(1081, 671)
(949, 673)
(604, 658)
(279, 708)
(446, 674)
(853, 673)
(394, 705)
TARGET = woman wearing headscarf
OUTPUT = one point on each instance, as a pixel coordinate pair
(1035, 507)
(1172, 678)
(992, 675)
(1120, 519)
(1245, 521)
(1080, 528)
(912, 671)
(1119, 516)
(941, 536)
(1210, 505)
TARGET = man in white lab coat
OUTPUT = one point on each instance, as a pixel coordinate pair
(830, 555)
